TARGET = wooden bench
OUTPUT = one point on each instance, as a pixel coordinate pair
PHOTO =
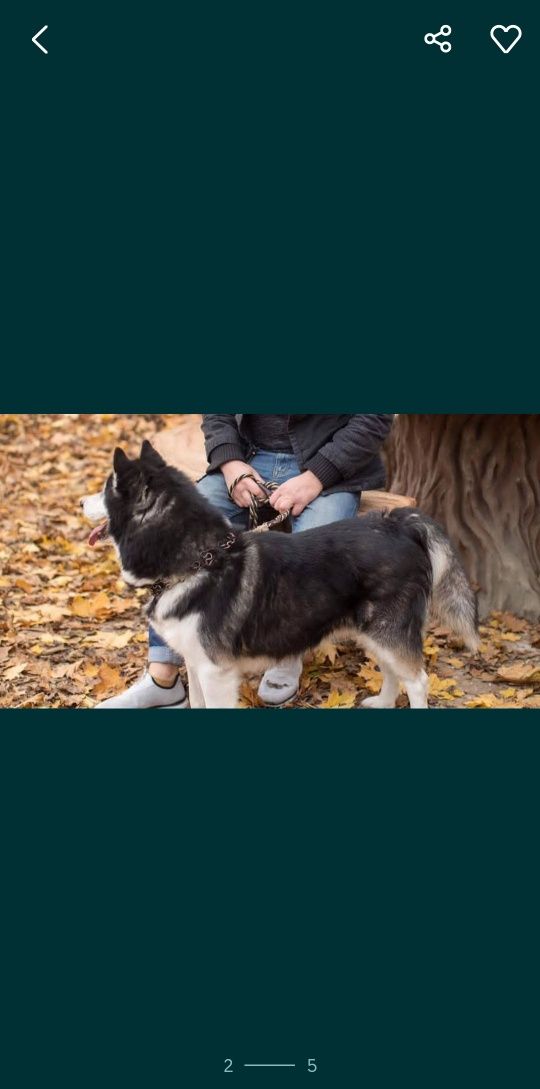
(183, 447)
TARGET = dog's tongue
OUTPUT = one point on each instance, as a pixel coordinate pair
(98, 534)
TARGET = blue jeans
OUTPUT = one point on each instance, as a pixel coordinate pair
(277, 467)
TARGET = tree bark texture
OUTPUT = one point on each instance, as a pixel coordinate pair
(479, 476)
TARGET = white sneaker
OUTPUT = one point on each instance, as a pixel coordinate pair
(281, 683)
(145, 693)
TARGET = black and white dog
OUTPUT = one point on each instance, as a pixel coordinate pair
(231, 602)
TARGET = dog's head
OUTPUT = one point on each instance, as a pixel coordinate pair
(131, 509)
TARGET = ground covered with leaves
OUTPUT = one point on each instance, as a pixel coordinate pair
(71, 632)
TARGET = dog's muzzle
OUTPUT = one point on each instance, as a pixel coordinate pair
(95, 510)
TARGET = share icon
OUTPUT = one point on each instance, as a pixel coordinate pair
(433, 39)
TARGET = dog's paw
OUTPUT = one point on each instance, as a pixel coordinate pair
(377, 702)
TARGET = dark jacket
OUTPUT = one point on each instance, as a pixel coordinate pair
(342, 451)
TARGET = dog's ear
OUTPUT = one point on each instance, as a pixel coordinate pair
(120, 461)
(150, 457)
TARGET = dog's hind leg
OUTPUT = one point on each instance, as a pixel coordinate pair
(219, 684)
(417, 689)
(389, 692)
(398, 669)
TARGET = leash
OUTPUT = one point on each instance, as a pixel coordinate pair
(258, 503)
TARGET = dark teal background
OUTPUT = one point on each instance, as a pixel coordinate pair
(285, 206)
(361, 889)
(296, 203)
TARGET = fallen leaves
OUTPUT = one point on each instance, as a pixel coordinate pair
(64, 614)
(26, 585)
(520, 673)
(40, 615)
(443, 688)
(248, 696)
(339, 699)
(90, 605)
(111, 640)
(371, 679)
(509, 622)
(71, 633)
(14, 671)
(328, 652)
(110, 682)
(487, 699)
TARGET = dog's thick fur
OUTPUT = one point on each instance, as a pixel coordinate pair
(271, 596)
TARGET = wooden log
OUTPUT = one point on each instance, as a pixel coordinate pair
(384, 501)
(183, 447)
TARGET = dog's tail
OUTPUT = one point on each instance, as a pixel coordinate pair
(453, 602)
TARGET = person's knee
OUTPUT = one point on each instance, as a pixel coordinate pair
(212, 486)
(327, 509)
(214, 489)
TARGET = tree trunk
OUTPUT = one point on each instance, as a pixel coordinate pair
(479, 476)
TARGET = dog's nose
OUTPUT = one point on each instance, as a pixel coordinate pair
(81, 502)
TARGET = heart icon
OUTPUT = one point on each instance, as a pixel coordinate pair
(506, 37)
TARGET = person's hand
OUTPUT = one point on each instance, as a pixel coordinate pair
(297, 493)
(246, 489)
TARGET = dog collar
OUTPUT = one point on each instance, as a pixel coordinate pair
(206, 559)
(162, 585)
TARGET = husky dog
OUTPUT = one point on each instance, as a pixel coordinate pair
(230, 602)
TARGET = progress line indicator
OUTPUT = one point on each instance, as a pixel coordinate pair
(311, 1064)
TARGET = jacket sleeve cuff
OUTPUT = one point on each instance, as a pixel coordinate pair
(226, 452)
(323, 470)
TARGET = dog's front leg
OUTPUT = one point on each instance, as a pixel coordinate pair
(220, 685)
(196, 694)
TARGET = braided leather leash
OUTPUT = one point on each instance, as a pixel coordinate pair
(259, 502)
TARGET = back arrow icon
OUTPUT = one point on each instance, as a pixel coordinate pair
(38, 35)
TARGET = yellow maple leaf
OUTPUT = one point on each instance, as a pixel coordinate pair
(339, 699)
(441, 687)
(92, 605)
(110, 680)
(487, 699)
(371, 678)
(430, 651)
